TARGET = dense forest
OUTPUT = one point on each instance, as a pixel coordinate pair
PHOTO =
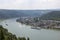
(5, 35)
(54, 15)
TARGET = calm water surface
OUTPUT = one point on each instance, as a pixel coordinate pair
(26, 31)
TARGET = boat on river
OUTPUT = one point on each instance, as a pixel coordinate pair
(38, 28)
(6, 24)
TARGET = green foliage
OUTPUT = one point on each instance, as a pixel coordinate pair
(28, 38)
(5, 35)
(22, 38)
(1, 35)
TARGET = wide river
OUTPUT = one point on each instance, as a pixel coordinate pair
(26, 31)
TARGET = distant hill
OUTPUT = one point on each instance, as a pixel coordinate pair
(54, 15)
(35, 12)
(4, 14)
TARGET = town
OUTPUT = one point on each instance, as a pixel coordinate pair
(37, 22)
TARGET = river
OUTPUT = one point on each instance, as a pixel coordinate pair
(26, 31)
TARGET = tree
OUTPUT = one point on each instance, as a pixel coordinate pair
(28, 38)
(1, 35)
(23, 38)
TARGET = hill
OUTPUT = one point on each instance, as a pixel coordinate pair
(54, 15)
(4, 14)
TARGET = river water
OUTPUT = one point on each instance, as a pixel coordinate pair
(26, 31)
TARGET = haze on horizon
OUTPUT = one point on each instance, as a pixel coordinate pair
(29, 4)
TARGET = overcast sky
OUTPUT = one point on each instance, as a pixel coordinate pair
(29, 4)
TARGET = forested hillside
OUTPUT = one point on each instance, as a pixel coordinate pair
(5, 35)
(54, 15)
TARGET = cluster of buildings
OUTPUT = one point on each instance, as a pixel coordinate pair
(36, 22)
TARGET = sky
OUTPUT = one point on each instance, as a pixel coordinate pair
(29, 4)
